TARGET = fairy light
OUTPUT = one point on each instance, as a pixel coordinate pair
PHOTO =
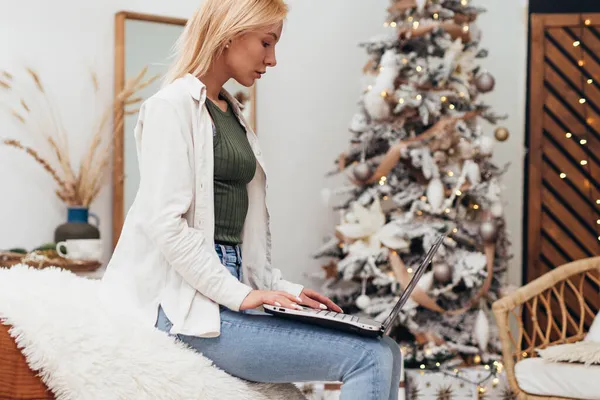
(585, 78)
(451, 106)
(422, 366)
(568, 135)
(443, 99)
(464, 2)
(436, 16)
(447, 211)
(465, 28)
(405, 61)
(563, 175)
(401, 101)
(409, 270)
(419, 97)
(419, 68)
(450, 173)
(437, 364)
(458, 193)
(384, 94)
(475, 206)
(415, 24)
(455, 230)
(393, 24)
(410, 19)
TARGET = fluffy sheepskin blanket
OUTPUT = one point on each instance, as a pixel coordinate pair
(88, 347)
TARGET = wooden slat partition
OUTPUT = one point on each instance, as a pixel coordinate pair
(563, 212)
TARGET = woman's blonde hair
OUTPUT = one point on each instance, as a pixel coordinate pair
(213, 25)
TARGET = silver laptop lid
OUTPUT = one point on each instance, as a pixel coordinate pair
(413, 282)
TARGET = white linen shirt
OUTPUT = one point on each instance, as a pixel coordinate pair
(165, 254)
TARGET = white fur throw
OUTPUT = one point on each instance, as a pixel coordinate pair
(586, 352)
(88, 347)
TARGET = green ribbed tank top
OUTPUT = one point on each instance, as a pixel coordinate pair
(234, 168)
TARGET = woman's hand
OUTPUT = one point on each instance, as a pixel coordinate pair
(257, 298)
(312, 299)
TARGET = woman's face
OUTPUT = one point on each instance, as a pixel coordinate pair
(249, 55)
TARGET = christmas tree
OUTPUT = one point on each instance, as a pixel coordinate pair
(419, 163)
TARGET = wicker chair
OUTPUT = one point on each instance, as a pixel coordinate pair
(17, 380)
(535, 301)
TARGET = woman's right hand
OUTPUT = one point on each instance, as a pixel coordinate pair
(257, 298)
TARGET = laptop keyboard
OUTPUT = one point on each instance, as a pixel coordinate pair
(333, 314)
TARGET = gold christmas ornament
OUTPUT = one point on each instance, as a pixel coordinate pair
(501, 134)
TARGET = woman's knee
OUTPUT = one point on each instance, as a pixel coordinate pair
(380, 354)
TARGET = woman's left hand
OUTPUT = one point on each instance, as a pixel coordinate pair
(312, 299)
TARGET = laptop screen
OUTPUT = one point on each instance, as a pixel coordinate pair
(413, 282)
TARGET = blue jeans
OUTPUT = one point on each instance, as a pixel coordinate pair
(258, 347)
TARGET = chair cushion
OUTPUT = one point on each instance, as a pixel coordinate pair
(543, 378)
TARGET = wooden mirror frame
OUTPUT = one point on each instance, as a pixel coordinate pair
(118, 200)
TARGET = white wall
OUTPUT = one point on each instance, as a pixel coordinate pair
(304, 106)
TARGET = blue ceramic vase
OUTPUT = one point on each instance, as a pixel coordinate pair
(78, 225)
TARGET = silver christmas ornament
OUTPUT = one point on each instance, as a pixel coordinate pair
(488, 231)
(362, 171)
(442, 273)
(485, 82)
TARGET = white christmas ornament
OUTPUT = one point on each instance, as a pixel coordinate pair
(472, 172)
(482, 331)
(363, 301)
(497, 210)
(424, 283)
(375, 100)
(359, 123)
(486, 145)
(435, 193)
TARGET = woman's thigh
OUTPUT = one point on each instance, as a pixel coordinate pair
(259, 347)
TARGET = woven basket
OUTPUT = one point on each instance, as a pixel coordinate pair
(17, 380)
(48, 258)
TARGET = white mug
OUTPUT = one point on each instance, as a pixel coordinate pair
(81, 249)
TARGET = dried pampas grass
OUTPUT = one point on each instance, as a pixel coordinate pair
(76, 187)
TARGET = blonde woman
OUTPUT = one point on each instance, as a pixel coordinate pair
(194, 252)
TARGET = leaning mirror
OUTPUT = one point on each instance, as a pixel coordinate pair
(144, 41)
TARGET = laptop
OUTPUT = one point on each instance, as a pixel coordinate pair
(353, 324)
